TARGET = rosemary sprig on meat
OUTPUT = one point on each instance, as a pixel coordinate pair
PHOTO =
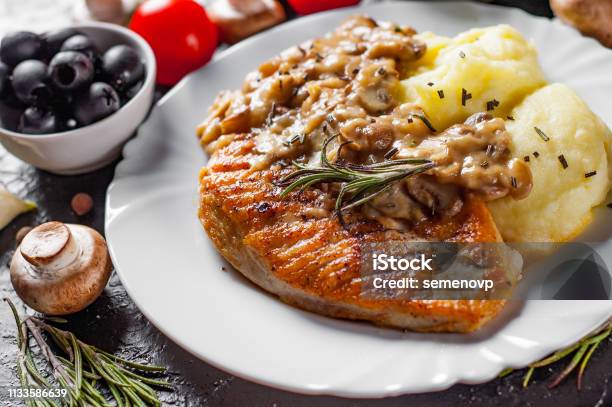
(581, 351)
(82, 370)
(360, 182)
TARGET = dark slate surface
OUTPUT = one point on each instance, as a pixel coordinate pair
(115, 324)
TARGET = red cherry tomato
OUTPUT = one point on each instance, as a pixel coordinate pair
(314, 6)
(180, 33)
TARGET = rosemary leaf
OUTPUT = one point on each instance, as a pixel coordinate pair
(134, 378)
(528, 376)
(569, 368)
(89, 393)
(600, 336)
(131, 395)
(78, 366)
(86, 373)
(133, 365)
(558, 355)
(148, 380)
(64, 384)
(584, 363)
(94, 361)
(311, 179)
(366, 198)
(43, 402)
(33, 370)
(21, 339)
(23, 381)
(582, 352)
(80, 371)
(360, 182)
(130, 388)
(90, 401)
(116, 395)
(426, 121)
(145, 392)
(59, 340)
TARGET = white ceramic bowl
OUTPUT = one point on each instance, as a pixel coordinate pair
(91, 147)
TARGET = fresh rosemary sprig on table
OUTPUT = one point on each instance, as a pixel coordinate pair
(83, 370)
(582, 351)
(360, 182)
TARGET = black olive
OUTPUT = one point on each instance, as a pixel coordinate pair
(80, 43)
(122, 66)
(5, 73)
(131, 92)
(70, 70)
(97, 102)
(19, 46)
(55, 39)
(35, 120)
(29, 82)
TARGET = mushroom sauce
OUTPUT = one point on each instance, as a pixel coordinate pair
(348, 84)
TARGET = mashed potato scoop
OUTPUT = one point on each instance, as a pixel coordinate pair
(486, 69)
(569, 153)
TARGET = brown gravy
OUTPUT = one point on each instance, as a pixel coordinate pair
(350, 80)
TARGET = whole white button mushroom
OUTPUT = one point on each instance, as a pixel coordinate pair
(59, 268)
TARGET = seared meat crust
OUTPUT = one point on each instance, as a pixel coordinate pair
(313, 262)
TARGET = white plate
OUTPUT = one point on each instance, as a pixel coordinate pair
(172, 272)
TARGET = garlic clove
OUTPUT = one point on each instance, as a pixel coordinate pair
(11, 206)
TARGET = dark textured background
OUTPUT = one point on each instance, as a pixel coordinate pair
(115, 324)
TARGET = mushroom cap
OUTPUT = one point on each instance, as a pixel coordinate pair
(60, 269)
